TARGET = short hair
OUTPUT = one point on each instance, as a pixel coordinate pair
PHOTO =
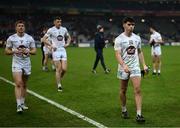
(99, 27)
(152, 26)
(19, 22)
(57, 18)
(128, 19)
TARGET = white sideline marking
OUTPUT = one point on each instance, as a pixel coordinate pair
(60, 106)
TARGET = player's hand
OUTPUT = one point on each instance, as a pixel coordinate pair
(152, 43)
(17, 51)
(53, 48)
(26, 51)
(106, 41)
(145, 67)
(126, 68)
(66, 45)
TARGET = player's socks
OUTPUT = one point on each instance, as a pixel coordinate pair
(59, 87)
(19, 109)
(124, 113)
(124, 109)
(154, 72)
(53, 68)
(138, 112)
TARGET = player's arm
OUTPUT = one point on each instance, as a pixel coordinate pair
(160, 41)
(141, 58)
(32, 51)
(68, 40)
(120, 60)
(32, 48)
(45, 40)
(9, 51)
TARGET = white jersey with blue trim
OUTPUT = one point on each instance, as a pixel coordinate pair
(57, 36)
(128, 46)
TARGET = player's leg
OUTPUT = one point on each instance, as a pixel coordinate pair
(45, 67)
(52, 62)
(136, 80)
(123, 89)
(24, 91)
(100, 52)
(45, 62)
(159, 64)
(124, 78)
(42, 51)
(159, 60)
(64, 67)
(96, 62)
(58, 73)
(63, 64)
(17, 76)
(153, 54)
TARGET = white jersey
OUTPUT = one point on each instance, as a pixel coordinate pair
(156, 49)
(21, 63)
(128, 46)
(156, 37)
(14, 41)
(57, 36)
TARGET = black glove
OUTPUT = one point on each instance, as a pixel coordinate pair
(145, 72)
(152, 43)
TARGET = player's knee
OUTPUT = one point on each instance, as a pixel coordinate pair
(123, 91)
(137, 90)
(19, 84)
(64, 70)
(158, 61)
(24, 86)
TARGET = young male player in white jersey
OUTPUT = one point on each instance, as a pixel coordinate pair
(47, 55)
(57, 34)
(20, 45)
(155, 42)
(128, 53)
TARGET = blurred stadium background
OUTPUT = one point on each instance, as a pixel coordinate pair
(95, 96)
(82, 16)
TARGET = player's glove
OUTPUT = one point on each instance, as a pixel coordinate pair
(152, 43)
(145, 72)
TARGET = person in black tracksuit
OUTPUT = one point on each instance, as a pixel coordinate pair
(99, 44)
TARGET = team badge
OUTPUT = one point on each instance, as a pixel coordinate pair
(59, 37)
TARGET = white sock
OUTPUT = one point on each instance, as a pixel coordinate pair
(124, 109)
(154, 71)
(18, 102)
(22, 100)
(59, 85)
(159, 71)
(139, 112)
(53, 67)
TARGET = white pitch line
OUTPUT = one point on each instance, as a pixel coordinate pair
(99, 125)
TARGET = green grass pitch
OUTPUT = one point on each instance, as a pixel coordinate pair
(93, 95)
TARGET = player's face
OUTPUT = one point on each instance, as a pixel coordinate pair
(151, 30)
(102, 30)
(57, 23)
(129, 26)
(20, 28)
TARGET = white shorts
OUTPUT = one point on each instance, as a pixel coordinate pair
(59, 54)
(26, 70)
(46, 50)
(156, 50)
(121, 74)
